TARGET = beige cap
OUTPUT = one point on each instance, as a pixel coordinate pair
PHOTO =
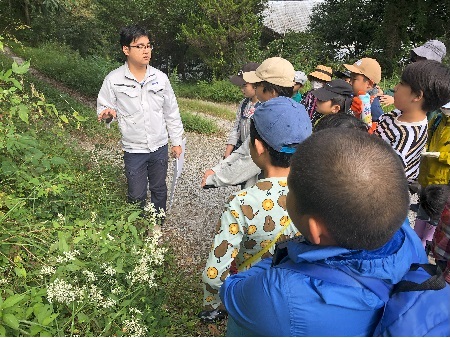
(322, 73)
(368, 67)
(276, 70)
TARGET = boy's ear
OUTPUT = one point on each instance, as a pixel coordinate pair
(259, 147)
(318, 232)
(335, 108)
(125, 50)
(418, 97)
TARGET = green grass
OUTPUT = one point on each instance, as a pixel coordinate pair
(208, 108)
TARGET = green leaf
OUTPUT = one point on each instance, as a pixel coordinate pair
(22, 69)
(82, 318)
(58, 160)
(20, 272)
(16, 83)
(23, 112)
(64, 118)
(11, 301)
(2, 331)
(78, 117)
(49, 319)
(10, 320)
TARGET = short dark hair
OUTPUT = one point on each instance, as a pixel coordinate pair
(340, 120)
(277, 159)
(344, 177)
(130, 33)
(343, 102)
(433, 198)
(281, 91)
(431, 78)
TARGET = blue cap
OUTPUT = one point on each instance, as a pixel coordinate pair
(281, 122)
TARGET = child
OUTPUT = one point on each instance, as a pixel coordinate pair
(434, 167)
(345, 75)
(440, 246)
(299, 79)
(330, 205)
(365, 75)
(256, 217)
(334, 97)
(273, 78)
(320, 76)
(245, 110)
(339, 120)
(432, 202)
(424, 86)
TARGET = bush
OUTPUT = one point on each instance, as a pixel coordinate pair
(73, 260)
(58, 61)
(217, 91)
(198, 124)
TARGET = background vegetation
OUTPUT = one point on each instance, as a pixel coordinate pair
(64, 223)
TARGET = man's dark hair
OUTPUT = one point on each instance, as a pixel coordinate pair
(130, 33)
(430, 78)
(354, 183)
(277, 159)
(340, 120)
(433, 199)
(281, 91)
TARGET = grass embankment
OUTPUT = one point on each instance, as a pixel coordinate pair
(41, 218)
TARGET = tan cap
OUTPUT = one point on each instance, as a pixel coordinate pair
(368, 67)
(322, 73)
(276, 70)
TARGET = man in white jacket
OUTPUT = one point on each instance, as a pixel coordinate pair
(142, 100)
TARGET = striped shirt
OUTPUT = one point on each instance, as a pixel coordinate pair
(408, 139)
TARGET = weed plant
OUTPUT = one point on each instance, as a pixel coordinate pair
(75, 258)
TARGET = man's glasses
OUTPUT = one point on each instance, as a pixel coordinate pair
(142, 47)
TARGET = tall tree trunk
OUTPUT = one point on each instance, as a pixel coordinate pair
(26, 10)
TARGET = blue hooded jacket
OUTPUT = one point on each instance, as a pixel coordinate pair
(273, 301)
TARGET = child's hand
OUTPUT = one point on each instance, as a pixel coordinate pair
(357, 106)
(435, 154)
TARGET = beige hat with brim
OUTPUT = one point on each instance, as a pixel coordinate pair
(250, 77)
(321, 72)
(368, 67)
(276, 70)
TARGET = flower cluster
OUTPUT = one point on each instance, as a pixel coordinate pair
(63, 292)
(67, 256)
(47, 270)
(133, 327)
(149, 255)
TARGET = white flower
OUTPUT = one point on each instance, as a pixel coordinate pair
(61, 218)
(3, 281)
(62, 292)
(68, 256)
(47, 270)
(108, 269)
(111, 238)
(95, 294)
(134, 310)
(89, 275)
(116, 291)
(107, 303)
(93, 216)
(133, 327)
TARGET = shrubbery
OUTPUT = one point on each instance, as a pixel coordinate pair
(73, 258)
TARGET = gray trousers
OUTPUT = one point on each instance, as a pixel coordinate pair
(147, 170)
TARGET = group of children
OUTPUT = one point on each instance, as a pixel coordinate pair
(269, 129)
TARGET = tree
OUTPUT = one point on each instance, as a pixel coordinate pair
(218, 31)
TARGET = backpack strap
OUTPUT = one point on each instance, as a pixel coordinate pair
(435, 282)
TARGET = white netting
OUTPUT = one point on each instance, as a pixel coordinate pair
(285, 16)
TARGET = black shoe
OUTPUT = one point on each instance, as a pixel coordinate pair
(212, 316)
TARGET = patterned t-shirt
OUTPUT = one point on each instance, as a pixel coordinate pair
(251, 220)
(408, 139)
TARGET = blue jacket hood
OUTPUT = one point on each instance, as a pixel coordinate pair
(399, 252)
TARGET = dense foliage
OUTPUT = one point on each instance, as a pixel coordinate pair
(75, 258)
(205, 40)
